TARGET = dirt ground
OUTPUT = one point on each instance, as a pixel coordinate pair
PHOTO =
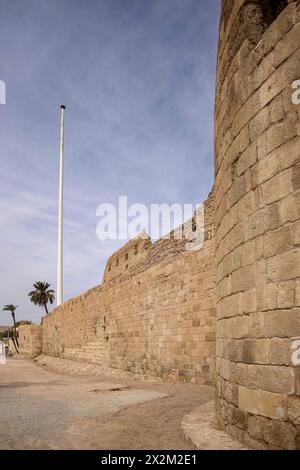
(42, 409)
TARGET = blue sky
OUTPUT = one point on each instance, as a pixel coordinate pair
(138, 80)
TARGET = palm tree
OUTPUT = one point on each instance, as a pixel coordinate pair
(12, 308)
(42, 294)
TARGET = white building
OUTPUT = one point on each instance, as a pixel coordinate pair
(2, 353)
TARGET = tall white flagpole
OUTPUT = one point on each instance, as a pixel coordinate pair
(60, 213)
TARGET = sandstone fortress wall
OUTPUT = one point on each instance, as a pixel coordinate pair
(153, 314)
(257, 181)
(30, 339)
(166, 311)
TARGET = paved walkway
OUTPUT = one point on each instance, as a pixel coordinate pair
(43, 409)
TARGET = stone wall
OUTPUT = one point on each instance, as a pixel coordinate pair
(257, 182)
(30, 340)
(153, 314)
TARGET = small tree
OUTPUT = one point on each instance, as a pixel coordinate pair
(42, 295)
(12, 309)
(23, 322)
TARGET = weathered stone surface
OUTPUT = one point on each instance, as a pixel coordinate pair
(262, 260)
(263, 220)
(296, 177)
(256, 425)
(243, 279)
(278, 135)
(255, 351)
(280, 434)
(293, 409)
(266, 297)
(260, 402)
(277, 241)
(281, 351)
(282, 323)
(284, 266)
(277, 379)
(30, 339)
(286, 295)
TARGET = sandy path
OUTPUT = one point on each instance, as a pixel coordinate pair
(42, 409)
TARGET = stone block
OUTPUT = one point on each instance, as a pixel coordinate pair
(246, 206)
(277, 187)
(277, 30)
(247, 159)
(288, 209)
(261, 143)
(238, 373)
(243, 279)
(249, 301)
(286, 46)
(230, 392)
(255, 351)
(281, 351)
(277, 241)
(267, 167)
(297, 293)
(229, 306)
(263, 220)
(277, 110)
(236, 255)
(282, 132)
(244, 139)
(254, 444)
(256, 325)
(293, 409)
(282, 323)
(262, 72)
(272, 87)
(297, 381)
(259, 124)
(238, 189)
(286, 294)
(260, 402)
(236, 236)
(276, 379)
(239, 418)
(280, 434)
(284, 267)
(255, 426)
(267, 297)
(296, 232)
(248, 253)
(246, 113)
(289, 153)
(296, 177)
(233, 350)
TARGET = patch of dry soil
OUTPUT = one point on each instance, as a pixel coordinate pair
(43, 409)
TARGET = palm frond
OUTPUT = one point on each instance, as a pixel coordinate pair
(42, 294)
(9, 308)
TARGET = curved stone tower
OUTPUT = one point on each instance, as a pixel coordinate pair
(257, 170)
